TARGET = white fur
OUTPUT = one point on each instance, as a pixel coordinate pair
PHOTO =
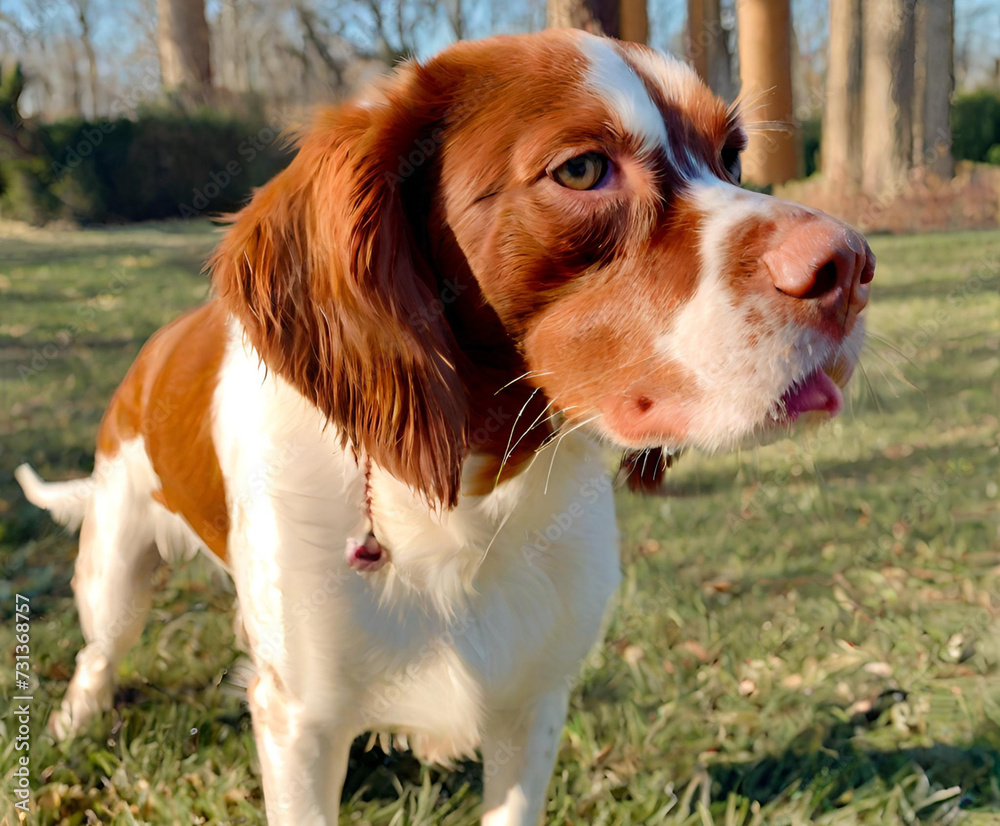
(66, 502)
(447, 645)
(124, 535)
(676, 79)
(469, 639)
(611, 77)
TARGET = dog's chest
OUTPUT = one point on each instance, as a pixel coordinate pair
(484, 607)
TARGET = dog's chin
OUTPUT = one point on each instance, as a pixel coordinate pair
(814, 398)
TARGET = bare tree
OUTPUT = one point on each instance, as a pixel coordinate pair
(316, 39)
(633, 21)
(841, 147)
(888, 49)
(625, 19)
(82, 10)
(765, 52)
(707, 46)
(595, 16)
(935, 68)
(183, 42)
(76, 90)
(977, 44)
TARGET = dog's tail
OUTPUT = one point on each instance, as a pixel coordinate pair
(66, 502)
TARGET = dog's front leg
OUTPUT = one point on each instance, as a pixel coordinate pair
(303, 761)
(519, 750)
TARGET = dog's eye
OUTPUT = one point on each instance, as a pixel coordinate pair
(731, 162)
(582, 172)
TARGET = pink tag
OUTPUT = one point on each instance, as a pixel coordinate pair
(366, 556)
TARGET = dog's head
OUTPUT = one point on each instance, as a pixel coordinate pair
(556, 217)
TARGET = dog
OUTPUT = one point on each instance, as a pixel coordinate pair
(390, 421)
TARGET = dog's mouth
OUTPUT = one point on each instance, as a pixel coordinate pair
(816, 391)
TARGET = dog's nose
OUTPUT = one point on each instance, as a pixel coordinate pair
(822, 260)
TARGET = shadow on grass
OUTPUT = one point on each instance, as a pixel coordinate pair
(373, 775)
(827, 761)
(961, 289)
(823, 762)
(715, 480)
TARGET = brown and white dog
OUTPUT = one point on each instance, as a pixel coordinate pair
(387, 423)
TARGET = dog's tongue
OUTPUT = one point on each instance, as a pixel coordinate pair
(816, 392)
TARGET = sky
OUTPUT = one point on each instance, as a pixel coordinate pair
(121, 28)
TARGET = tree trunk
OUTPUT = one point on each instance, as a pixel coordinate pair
(765, 49)
(76, 99)
(633, 21)
(936, 66)
(707, 44)
(841, 140)
(81, 8)
(183, 43)
(695, 38)
(888, 49)
(624, 19)
(595, 16)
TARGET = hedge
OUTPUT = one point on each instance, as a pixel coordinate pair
(163, 164)
(175, 164)
(975, 126)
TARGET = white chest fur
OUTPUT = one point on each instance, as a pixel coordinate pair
(482, 608)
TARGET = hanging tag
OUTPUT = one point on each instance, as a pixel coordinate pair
(366, 555)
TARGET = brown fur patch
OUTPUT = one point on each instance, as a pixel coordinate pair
(166, 397)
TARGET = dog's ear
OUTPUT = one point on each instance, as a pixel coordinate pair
(323, 271)
(645, 471)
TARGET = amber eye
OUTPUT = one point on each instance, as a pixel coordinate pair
(582, 172)
(731, 162)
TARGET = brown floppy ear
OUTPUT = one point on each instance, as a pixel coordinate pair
(323, 270)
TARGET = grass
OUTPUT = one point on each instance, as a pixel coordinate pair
(806, 633)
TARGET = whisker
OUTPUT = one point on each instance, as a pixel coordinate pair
(511, 448)
(871, 389)
(500, 527)
(517, 418)
(522, 376)
(892, 367)
(768, 126)
(887, 342)
(558, 441)
(747, 102)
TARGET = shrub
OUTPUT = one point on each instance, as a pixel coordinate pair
(163, 164)
(811, 130)
(975, 125)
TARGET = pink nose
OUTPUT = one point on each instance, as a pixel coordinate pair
(824, 261)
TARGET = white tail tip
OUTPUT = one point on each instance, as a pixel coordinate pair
(66, 502)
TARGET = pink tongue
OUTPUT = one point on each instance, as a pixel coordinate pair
(817, 392)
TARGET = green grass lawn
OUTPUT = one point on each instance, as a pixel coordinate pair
(806, 633)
